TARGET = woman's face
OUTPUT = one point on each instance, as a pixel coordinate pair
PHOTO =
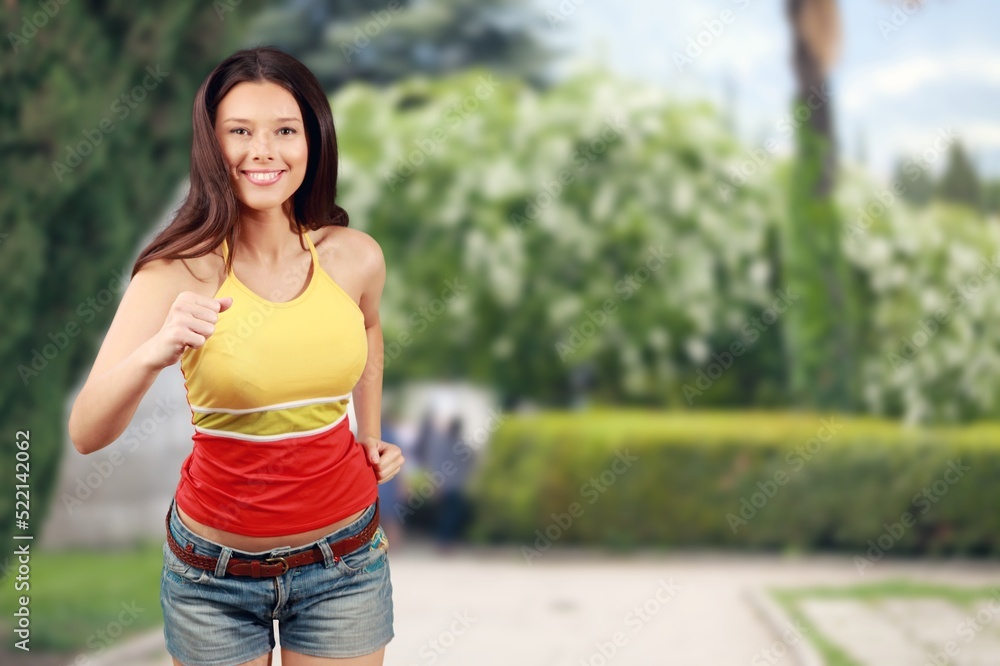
(263, 140)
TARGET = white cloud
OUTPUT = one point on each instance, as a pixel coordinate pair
(981, 134)
(903, 77)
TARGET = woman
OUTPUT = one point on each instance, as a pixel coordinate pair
(276, 515)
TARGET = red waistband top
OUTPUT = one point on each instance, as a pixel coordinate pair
(273, 451)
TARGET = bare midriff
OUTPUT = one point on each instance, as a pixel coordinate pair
(254, 544)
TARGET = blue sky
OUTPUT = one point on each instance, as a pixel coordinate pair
(893, 91)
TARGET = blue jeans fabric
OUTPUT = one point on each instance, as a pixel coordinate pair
(333, 608)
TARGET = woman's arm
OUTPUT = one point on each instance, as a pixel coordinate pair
(387, 459)
(123, 370)
(367, 393)
(153, 326)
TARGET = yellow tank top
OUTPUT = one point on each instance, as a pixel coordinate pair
(273, 370)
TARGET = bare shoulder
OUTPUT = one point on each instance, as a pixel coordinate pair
(202, 275)
(349, 245)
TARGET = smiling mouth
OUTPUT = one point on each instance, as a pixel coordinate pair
(263, 177)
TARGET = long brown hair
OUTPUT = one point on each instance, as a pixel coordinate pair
(211, 210)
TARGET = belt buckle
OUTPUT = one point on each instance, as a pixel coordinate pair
(271, 560)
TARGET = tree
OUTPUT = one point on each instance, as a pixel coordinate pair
(991, 196)
(959, 182)
(917, 185)
(370, 40)
(821, 341)
(96, 133)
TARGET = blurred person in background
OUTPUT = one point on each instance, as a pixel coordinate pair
(391, 493)
(426, 433)
(276, 488)
(454, 460)
(419, 492)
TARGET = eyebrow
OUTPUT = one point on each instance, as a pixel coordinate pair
(280, 120)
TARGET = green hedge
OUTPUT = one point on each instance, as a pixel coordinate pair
(740, 479)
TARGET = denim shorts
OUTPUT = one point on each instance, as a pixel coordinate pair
(332, 608)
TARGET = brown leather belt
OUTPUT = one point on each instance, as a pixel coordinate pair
(274, 566)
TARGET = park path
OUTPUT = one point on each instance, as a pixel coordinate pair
(487, 606)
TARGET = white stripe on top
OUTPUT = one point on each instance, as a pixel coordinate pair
(280, 405)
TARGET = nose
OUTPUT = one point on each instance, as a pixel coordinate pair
(261, 147)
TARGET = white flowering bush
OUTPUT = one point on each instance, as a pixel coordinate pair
(586, 223)
(931, 280)
(595, 234)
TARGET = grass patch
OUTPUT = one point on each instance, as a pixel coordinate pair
(79, 598)
(896, 588)
(832, 654)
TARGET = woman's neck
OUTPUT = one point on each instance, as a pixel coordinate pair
(268, 238)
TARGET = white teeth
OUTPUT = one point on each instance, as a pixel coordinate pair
(266, 177)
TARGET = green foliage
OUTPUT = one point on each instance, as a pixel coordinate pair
(991, 196)
(549, 207)
(959, 182)
(821, 328)
(915, 181)
(740, 479)
(893, 588)
(381, 42)
(96, 130)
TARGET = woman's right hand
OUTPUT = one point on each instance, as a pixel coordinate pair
(189, 323)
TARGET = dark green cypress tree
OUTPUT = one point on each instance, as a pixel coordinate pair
(959, 182)
(821, 327)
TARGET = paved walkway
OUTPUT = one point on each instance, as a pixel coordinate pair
(490, 608)
(931, 632)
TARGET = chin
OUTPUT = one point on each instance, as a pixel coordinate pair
(263, 204)
(257, 207)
